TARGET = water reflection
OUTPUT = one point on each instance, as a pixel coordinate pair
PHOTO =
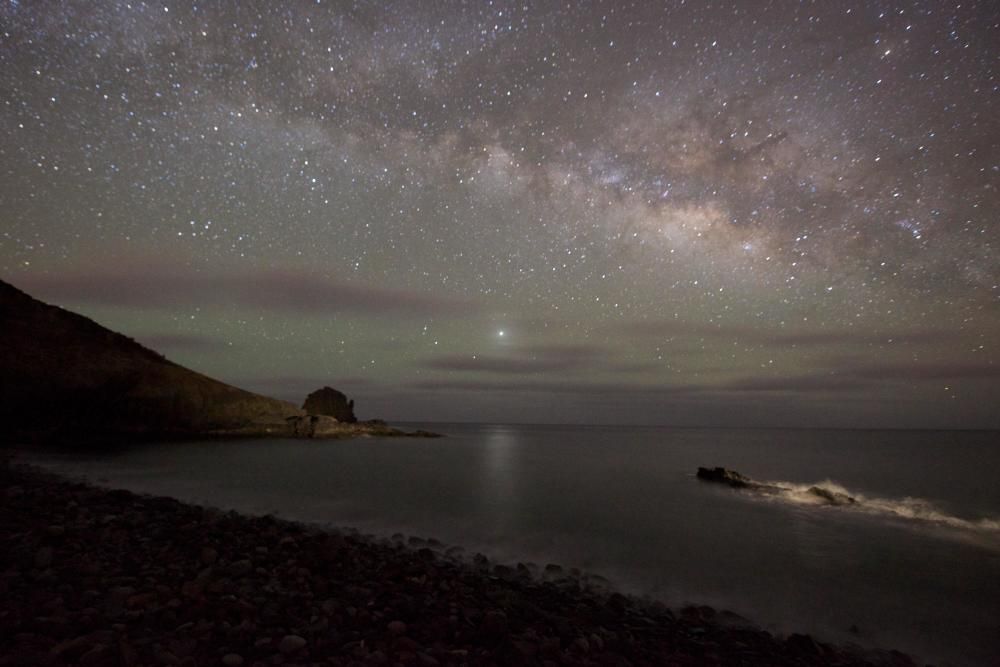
(498, 477)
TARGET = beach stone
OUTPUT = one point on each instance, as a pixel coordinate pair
(71, 649)
(191, 588)
(95, 656)
(803, 644)
(209, 556)
(397, 628)
(43, 558)
(241, 568)
(232, 660)
(495, 624)
(167, 658)
(291, 643)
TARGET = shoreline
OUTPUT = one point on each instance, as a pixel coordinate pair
(316, 428)
(90, 575)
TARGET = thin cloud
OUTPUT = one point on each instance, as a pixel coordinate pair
(536, 359)
(564, 387)
(925, 371)
(281, 291)
(674, 328)
(296, 388)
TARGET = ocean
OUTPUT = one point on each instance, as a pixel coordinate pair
(913, 563)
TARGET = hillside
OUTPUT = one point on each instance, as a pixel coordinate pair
(64, 376)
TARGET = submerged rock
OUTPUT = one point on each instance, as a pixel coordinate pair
(832, 497)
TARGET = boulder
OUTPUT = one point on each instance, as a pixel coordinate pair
(332, 403)
(724, 476)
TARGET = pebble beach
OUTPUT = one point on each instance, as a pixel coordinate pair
(96, 576)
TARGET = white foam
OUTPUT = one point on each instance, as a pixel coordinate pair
(915, 509)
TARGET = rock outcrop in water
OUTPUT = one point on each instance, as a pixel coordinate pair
(323, 426)
(63, 377)
(737, 480)
(331, 403)
(725, 476)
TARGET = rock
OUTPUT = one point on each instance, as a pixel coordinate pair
(495, 624)
(241, 568)
(192, 588)
(95, 656)
(803, 644)
(209, 556)
(312, 426)
(831, 497)
(167, 658)
(291, 644)
(71, 649)
(724, 476)
(397, 628)
(332, 403)
(141, 600)
(232, 660)
(43, 558)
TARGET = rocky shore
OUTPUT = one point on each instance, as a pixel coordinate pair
(92, 576)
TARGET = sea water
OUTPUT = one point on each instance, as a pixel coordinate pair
(913, 564)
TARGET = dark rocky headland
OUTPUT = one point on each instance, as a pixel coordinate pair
(92, 576)
(64, 378)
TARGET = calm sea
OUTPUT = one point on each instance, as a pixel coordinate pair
(914, 564)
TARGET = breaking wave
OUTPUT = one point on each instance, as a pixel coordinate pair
(828, 493)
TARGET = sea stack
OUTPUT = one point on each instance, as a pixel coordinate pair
(331, 403)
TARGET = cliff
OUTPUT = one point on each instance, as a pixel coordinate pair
(63, 376)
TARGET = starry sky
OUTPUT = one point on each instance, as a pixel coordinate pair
(719, 213)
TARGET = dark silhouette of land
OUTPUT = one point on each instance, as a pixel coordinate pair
(65, 378)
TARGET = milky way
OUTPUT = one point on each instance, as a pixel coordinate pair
(702, 213)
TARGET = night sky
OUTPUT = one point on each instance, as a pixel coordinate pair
(702, 213)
